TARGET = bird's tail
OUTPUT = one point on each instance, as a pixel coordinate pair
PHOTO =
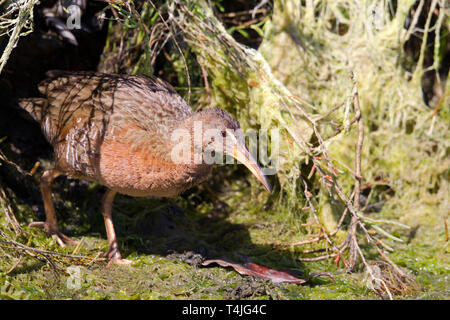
(34, 106)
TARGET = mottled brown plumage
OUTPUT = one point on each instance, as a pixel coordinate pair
(116, 130)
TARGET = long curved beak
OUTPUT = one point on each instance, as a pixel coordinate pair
(243, 155)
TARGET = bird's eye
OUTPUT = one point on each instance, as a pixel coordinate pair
(224, 133)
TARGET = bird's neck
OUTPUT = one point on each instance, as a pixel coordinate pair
(174, 142)
(185, 140)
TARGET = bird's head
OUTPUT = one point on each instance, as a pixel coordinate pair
(221, 135)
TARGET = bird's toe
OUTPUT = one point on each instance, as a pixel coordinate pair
(61, 239)
(37, 224)
(120, 261)
(115, 257)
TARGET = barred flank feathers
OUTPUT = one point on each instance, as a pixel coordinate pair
(34, 106)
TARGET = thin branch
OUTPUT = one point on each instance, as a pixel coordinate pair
(357, 190)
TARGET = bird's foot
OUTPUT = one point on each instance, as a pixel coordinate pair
(123, 262)
(61, 238)
(115, 257)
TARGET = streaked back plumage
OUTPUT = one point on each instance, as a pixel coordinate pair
(81, 109)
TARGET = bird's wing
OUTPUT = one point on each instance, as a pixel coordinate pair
(96, 98)
(83, 107)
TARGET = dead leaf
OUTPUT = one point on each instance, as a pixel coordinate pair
(255, 270)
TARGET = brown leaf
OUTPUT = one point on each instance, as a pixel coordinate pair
(255, 270)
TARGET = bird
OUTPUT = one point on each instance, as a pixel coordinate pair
(118, 130)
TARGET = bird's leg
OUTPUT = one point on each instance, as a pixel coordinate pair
(114, 255)
(50, 225)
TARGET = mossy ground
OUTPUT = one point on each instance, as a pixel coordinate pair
(167, 238)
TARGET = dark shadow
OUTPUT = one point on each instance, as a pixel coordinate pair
(174, 228)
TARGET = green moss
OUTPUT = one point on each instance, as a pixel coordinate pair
(160, 269)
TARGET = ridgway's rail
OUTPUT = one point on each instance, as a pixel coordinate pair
(118, 130)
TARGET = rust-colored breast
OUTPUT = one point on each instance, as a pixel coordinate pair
(137, 171)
